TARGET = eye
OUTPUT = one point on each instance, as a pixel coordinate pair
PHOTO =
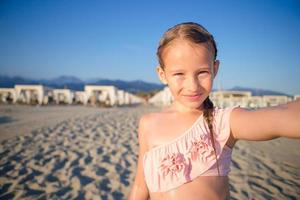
(178, 74)
(203, 72)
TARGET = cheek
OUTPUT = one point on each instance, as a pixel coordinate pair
(207, 83)
(205, 80)
(176, 81)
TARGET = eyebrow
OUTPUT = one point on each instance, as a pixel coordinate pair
(182, 70)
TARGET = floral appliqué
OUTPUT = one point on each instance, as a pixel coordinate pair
(172, 164)
(200, 150)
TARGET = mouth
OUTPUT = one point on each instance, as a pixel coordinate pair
(193, 97)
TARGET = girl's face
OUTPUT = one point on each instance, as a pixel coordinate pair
(189, 72)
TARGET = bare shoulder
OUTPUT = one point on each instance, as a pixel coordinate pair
(148, 127)
(148, 120)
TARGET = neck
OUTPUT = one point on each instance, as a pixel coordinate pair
(184, 109)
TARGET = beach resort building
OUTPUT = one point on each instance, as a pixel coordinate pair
(64, 96)
(8, 95)
(80, 97)
(31, 94)
(121, 97)
(272, 100)
(226, 98)
(162, 98)
(255, 102)
(109, 95)
(297, 97)
(125, 98)
(93, 94)
(97, 94)
(230, 98)
(133, 99)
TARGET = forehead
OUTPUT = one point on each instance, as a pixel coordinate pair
(182, 53)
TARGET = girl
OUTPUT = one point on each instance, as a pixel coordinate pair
(185, 150)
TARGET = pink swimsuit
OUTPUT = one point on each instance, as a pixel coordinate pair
(190, 155)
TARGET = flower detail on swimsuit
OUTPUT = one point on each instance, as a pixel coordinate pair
(172, 164)
(200, 150)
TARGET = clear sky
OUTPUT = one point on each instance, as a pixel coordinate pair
(258, 41)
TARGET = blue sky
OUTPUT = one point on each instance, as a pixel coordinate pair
(258, 41)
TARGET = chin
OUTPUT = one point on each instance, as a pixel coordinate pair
(194, 105)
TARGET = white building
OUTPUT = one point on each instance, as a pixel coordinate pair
(65, 96)
(297, 97)
(93, 94)
(274, 100)
(8, 95)
(80, 97)
(133, 99)
(230, 98)
(101, 94)
(162, 98)
(30, 94)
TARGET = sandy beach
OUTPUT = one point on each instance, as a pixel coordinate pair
(77, 152)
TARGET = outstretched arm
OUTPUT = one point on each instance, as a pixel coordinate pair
(139, 189)
(266, 123)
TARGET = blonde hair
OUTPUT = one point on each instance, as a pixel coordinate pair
(189, 31)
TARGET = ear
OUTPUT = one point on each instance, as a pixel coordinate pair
(161, 74)
(216, 67)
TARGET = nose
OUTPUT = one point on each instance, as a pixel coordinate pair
(193, 84)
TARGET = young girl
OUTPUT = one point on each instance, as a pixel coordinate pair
(185, 150)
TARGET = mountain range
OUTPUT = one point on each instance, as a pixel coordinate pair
(75, 83)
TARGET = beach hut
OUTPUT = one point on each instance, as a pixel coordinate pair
(8, 95)
(80, 97)
(162, 98)
(230, 98)
(297, 96)
(274, 100)
(121, 97)
(135, 99)
(255, 102)
(101, 94)
(63, 96)
(30, 94)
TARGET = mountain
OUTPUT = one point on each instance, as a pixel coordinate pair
(258, 92)
(130, 86)
(9, 82)
(66, 80)
(75, 83)
(70, 82)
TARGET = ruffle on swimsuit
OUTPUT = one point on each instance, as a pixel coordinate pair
(190, 155)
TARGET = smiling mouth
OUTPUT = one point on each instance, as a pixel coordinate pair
(192, 95)
(195, 97)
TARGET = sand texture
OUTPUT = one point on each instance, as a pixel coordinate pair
(76, 152)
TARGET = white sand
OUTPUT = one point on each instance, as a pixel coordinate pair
(28, 118)
(68, 152)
